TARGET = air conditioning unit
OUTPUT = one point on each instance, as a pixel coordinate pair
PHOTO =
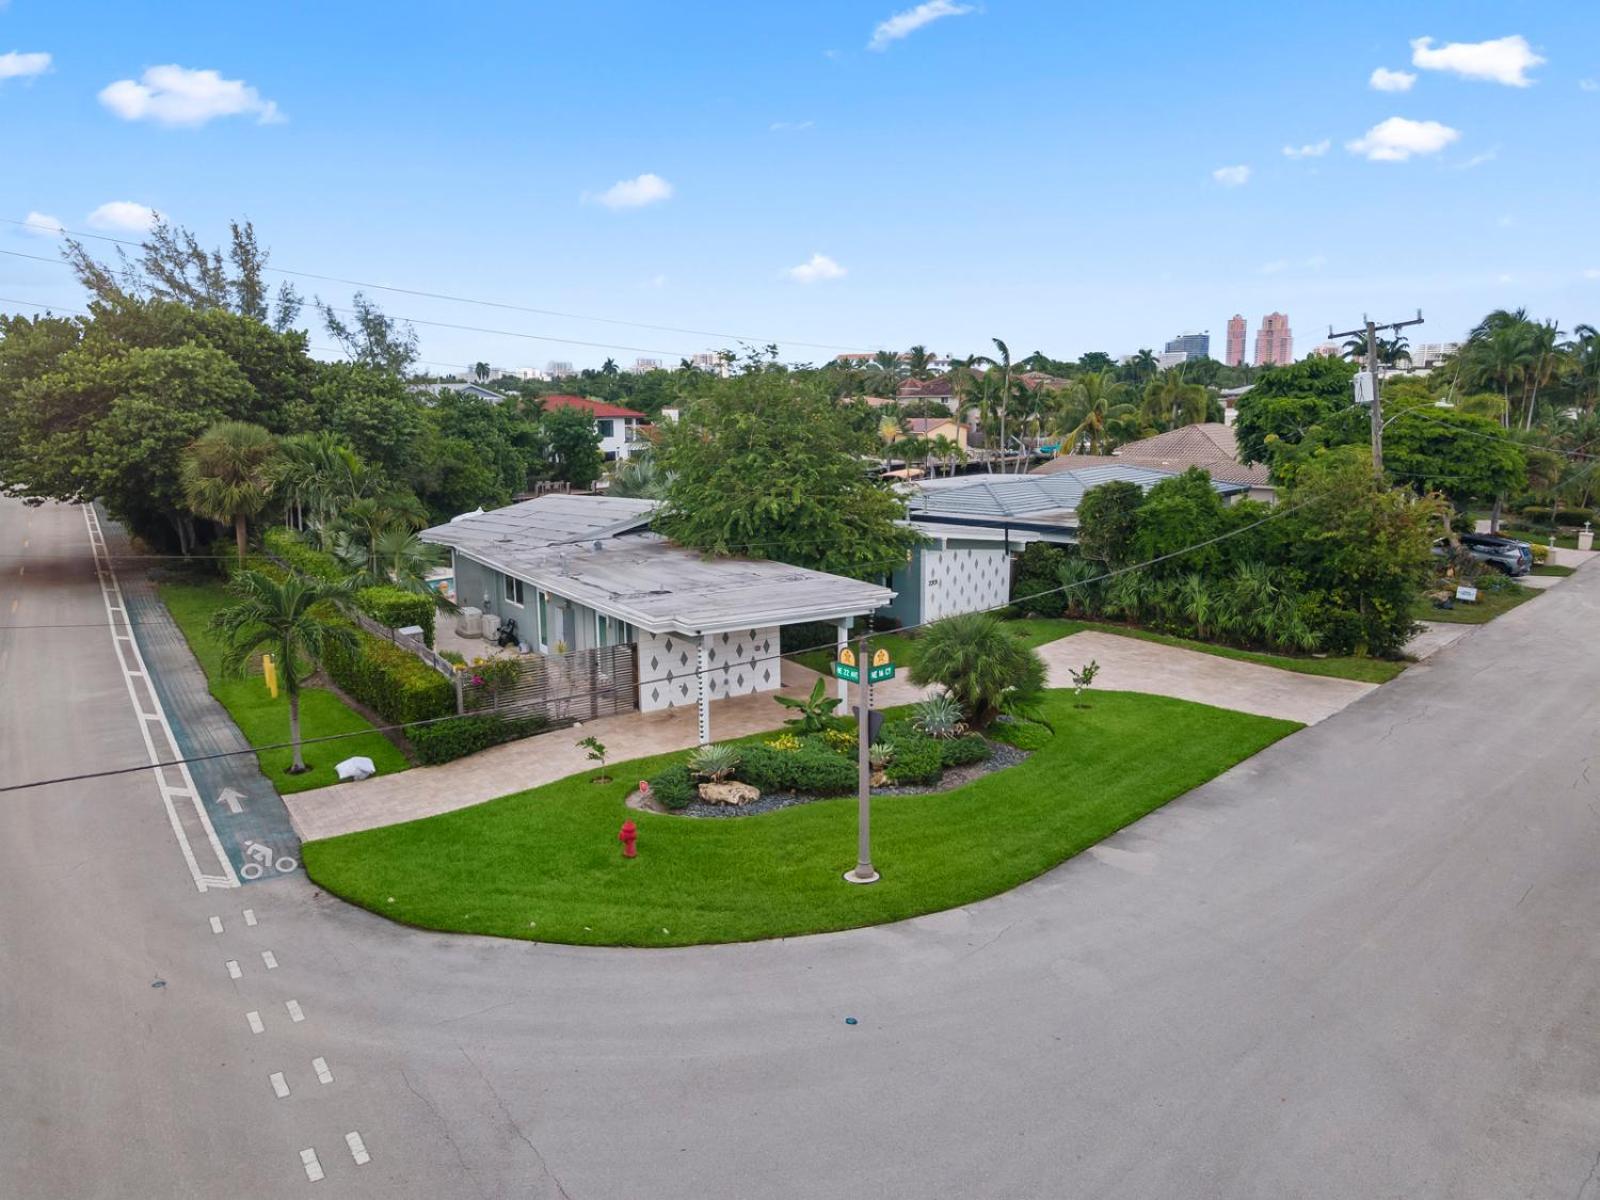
(469, 622)
(490, 625)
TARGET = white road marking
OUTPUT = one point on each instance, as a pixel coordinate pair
(308, 1159)
(233, 969)
(255, 1022)
(249, 916)
(117, 614)
(279, 1086)
(216, 924)
(270, 959)
(320, 1065)
(358, 1148)
(294, 1010)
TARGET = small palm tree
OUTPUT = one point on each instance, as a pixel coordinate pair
(978, 661)
(228, 475)
(282, 619)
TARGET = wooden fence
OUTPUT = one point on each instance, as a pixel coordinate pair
(560, 687)
(414, 644)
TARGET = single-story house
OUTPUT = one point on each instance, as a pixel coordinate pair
(580, 573)
(976, 525)
(475, 390)
(618, 426)
(1211, 446)
(932, 428)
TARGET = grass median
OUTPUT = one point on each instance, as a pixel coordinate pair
(545, 864)
(264, 721)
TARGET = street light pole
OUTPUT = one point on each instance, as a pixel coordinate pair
(863, 872)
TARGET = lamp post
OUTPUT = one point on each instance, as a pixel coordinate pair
(863, 871)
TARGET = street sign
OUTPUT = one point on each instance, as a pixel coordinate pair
(848, 672)
(880, 672)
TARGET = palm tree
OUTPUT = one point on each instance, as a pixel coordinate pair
(1003, 364)
(947, 452)
(1091, 406)
(281, 618)
(228, 475)
(918, 363)
(480, 371)
(1169, 402)
(639, 478)
(1144, 365)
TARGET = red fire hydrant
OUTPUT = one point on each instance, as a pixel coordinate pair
(628, 835)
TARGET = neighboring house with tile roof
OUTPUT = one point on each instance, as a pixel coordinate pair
(1211, 446)
(619, 427)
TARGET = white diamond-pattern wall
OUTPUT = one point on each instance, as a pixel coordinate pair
(964, 579)
(742, 662)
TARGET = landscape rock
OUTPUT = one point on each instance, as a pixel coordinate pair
(732, 792)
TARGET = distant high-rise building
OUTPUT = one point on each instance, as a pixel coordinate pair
(557, 369)
(1236, 332)
(1171, 358)
(643, 366)
(1195, 345)
(1274, 341)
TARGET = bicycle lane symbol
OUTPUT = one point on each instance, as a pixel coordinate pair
(260, 858)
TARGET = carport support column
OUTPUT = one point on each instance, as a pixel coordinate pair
(843, 629)
(704, 676)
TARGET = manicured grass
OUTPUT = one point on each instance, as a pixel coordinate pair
(1553, 569)
(1487, 607)
(545, 864)
(1036, 631)
(265, 721)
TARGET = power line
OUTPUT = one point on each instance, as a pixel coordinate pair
(430, 295)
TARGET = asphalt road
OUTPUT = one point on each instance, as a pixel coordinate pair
(1361, 965)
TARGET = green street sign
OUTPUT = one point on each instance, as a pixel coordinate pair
(847, 673)
(880, 673)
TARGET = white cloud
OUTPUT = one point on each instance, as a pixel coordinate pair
(1589, 85)
(43, 225)
(1385, 80)
(1477, 160)
(1309, 150)
(905, 23)
(634, 193)
(1504, 60)
(124, 215)
(1398, 138)
(815, 269)
(23, 66)
(789, 126)
(1592, 273)
(1232, 176)
(174, 95)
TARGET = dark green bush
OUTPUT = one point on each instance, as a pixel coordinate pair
(445, 741)
(288, 545)
(813, 768)
(394, 683)
(1038, 586)
(1024, 735)
(395, 608)
(674, 788)
(917, 759)
(963, 751)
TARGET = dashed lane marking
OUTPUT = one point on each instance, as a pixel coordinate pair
(255, 1022)
(250, 916)
(308, 1159)
(279, 1086)
(358, 1148)
(320, 1065)
(233, 969)
(294, 1010)
(216, 924)
(268, 957)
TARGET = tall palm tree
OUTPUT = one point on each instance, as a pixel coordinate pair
(1003, 365)
(1144, 365)
(1087, 414)
(281, 618)
(228, 475)
(918, 362)
(1169, 402)
(480, 371)
(1548, 356)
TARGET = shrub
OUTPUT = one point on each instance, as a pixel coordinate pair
(673, 787)
(446, 741)
(715, 763)
(1024, 735)
(938, 716)
(977, 660)
(289, 546)
(394, 683)
(812, 768)
(917, 760)
(815, 710)
(841, 741)
(395, 608)
(1038, 589)
(454, 656)
(784, 742)
(879, 756)
(964, 751)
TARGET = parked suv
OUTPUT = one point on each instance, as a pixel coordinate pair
(1504, 554)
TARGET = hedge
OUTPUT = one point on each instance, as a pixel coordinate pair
(292, 549)
(916, 760)
(813, 768)
(396, 608)
(394, 683)
(963, 751)
(446, 741)
(673, 787)
(1038, 587)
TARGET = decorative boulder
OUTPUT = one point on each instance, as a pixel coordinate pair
(728, 793)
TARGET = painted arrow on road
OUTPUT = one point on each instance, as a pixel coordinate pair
(231, 798)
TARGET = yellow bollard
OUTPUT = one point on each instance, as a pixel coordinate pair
(269, 671)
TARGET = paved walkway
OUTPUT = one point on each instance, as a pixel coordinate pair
(516, 766)
(1435, 636)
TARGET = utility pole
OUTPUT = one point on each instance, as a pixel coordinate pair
(864, 871)
(1371, 334)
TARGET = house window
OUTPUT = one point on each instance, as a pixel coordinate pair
(609, 631)
(513, 591)
(544, 620)
(606, 428)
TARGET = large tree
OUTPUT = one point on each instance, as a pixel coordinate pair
(229, 476)
(767, 465)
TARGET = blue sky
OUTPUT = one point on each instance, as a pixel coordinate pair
(1043, 172)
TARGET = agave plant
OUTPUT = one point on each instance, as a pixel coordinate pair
(880, 755)
(714, 763)
(938, 716)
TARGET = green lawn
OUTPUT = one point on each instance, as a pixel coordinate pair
(1487, 607)
(1553, 569)
(1036, 631)
(545, 864)
(265, 721)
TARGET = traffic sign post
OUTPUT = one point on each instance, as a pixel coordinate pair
(879, 668)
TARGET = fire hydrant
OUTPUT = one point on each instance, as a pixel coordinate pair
(628, 835)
